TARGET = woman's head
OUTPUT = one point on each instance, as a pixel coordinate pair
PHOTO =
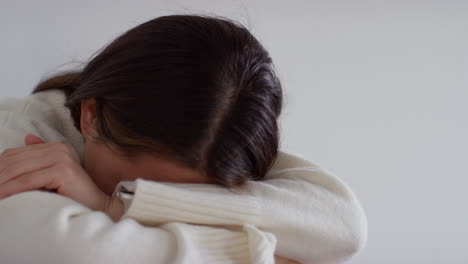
(198, 92)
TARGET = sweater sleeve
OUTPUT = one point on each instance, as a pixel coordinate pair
(314, 215)
(42, 227)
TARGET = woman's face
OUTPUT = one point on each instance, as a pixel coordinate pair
(107, 168)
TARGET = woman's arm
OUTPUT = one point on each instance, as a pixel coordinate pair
(43, 227)
(314, 215)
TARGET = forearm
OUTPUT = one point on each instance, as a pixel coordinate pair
(300, 203)
(62, 230)
(115, 210)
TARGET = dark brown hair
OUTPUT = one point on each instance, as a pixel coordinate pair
(200, 90)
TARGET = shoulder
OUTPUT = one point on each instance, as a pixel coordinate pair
(43, 114)
(37, 106)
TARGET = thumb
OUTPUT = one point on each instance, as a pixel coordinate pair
(32, 139)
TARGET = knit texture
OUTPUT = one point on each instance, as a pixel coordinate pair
(300, 211)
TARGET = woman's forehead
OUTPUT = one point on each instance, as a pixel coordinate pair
(150, 167)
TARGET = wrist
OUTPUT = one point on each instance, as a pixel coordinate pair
(114, 208)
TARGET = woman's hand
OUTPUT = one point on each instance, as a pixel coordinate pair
(51, 166)
(281, 260)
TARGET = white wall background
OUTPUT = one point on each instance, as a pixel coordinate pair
(376, 93)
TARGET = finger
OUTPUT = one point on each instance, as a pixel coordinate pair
(16, 150)
(14, 166)
(30, 181)
(57, 145)
(30, 139)
(6, 160)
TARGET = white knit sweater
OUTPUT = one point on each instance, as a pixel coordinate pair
(300, 211)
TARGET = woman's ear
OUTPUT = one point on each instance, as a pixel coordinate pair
(88, 118)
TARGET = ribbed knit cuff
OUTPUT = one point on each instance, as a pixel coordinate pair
(241, 244)
(155, 203)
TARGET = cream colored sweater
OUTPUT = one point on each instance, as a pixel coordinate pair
(300, 211)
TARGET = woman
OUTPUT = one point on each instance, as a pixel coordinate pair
(173, 125)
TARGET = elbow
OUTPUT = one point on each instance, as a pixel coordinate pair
(355, 231)
(350, 221)
(358, 239)
(347, 227)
